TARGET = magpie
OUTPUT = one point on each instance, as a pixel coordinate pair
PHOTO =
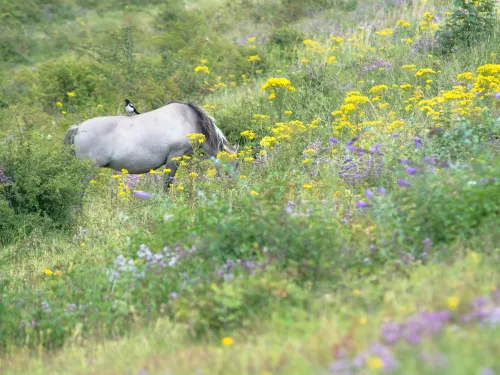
(129, 108)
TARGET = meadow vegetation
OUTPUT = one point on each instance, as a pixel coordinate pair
(359, 234)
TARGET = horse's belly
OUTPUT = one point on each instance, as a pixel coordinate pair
(137, 164)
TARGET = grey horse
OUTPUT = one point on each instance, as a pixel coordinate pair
(146, 141)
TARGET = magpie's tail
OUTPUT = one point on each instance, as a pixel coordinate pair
(135, 110)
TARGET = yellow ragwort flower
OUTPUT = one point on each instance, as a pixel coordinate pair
(453, 302)
(227, 341)
(375, 363)
(47, 271)
(202, 69)
(253, 58)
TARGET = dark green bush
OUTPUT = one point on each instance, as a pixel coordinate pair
(45, 183)
(470, 22)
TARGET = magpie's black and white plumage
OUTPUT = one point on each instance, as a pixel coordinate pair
(129, 108)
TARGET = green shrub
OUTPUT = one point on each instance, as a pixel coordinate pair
(470, 22)
(437, 208)
(46, 183)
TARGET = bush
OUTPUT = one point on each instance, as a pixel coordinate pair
(437, 208)
(44, 184)
(470, 22)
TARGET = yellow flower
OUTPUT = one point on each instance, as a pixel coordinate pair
(409, 67)
(403, 23)
(408, 41)
(93, 181)
(356, 292)
(59, 104)
(363, 320)
(424, 71)
(204, 61)
(177, 158)
(305, 161)
(331, 60)
(375, 363)
(243, 177)
(180, 188)
(99, 106)
(227, 341)
(152, 171)
(251, 39)
(453, 302)
(287, 113)
(378, 89)
(202, 69)
(253, 192)
(276, 82)
(196, 138)
(307, 186)
(70, 94)
(248, 134)
(211, 172)
(64, 112)
(248, 159)
(259, 116)
(167, 170)
(309, 151)
(253, 58)
(272, 95)
(82, 244)
(193, 174)
(47, 271)
(384, 32)
(336, 39)
(268, 141)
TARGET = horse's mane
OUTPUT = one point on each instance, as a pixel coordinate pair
(214, 136)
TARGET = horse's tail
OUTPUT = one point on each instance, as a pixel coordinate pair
(214, 136)
(69, 139)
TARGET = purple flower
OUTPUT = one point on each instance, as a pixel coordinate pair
(402, 182)
(418, 142)
(486, 371)
(334, 140)
(391, 333)
(381, 190)
(350, 147)
(375, 148)
(411, 170)
(497, 95)
(142, 194)
(404, 161)
(369, 194)
(174, 295)
(361, 204)
(340, 367)
(395, 135)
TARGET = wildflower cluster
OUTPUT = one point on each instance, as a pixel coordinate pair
(196, 138)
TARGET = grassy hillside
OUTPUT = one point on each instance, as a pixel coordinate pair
(359, 234)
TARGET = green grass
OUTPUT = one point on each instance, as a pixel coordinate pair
(280, 256)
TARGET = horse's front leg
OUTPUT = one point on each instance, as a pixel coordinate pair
(170, 177)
